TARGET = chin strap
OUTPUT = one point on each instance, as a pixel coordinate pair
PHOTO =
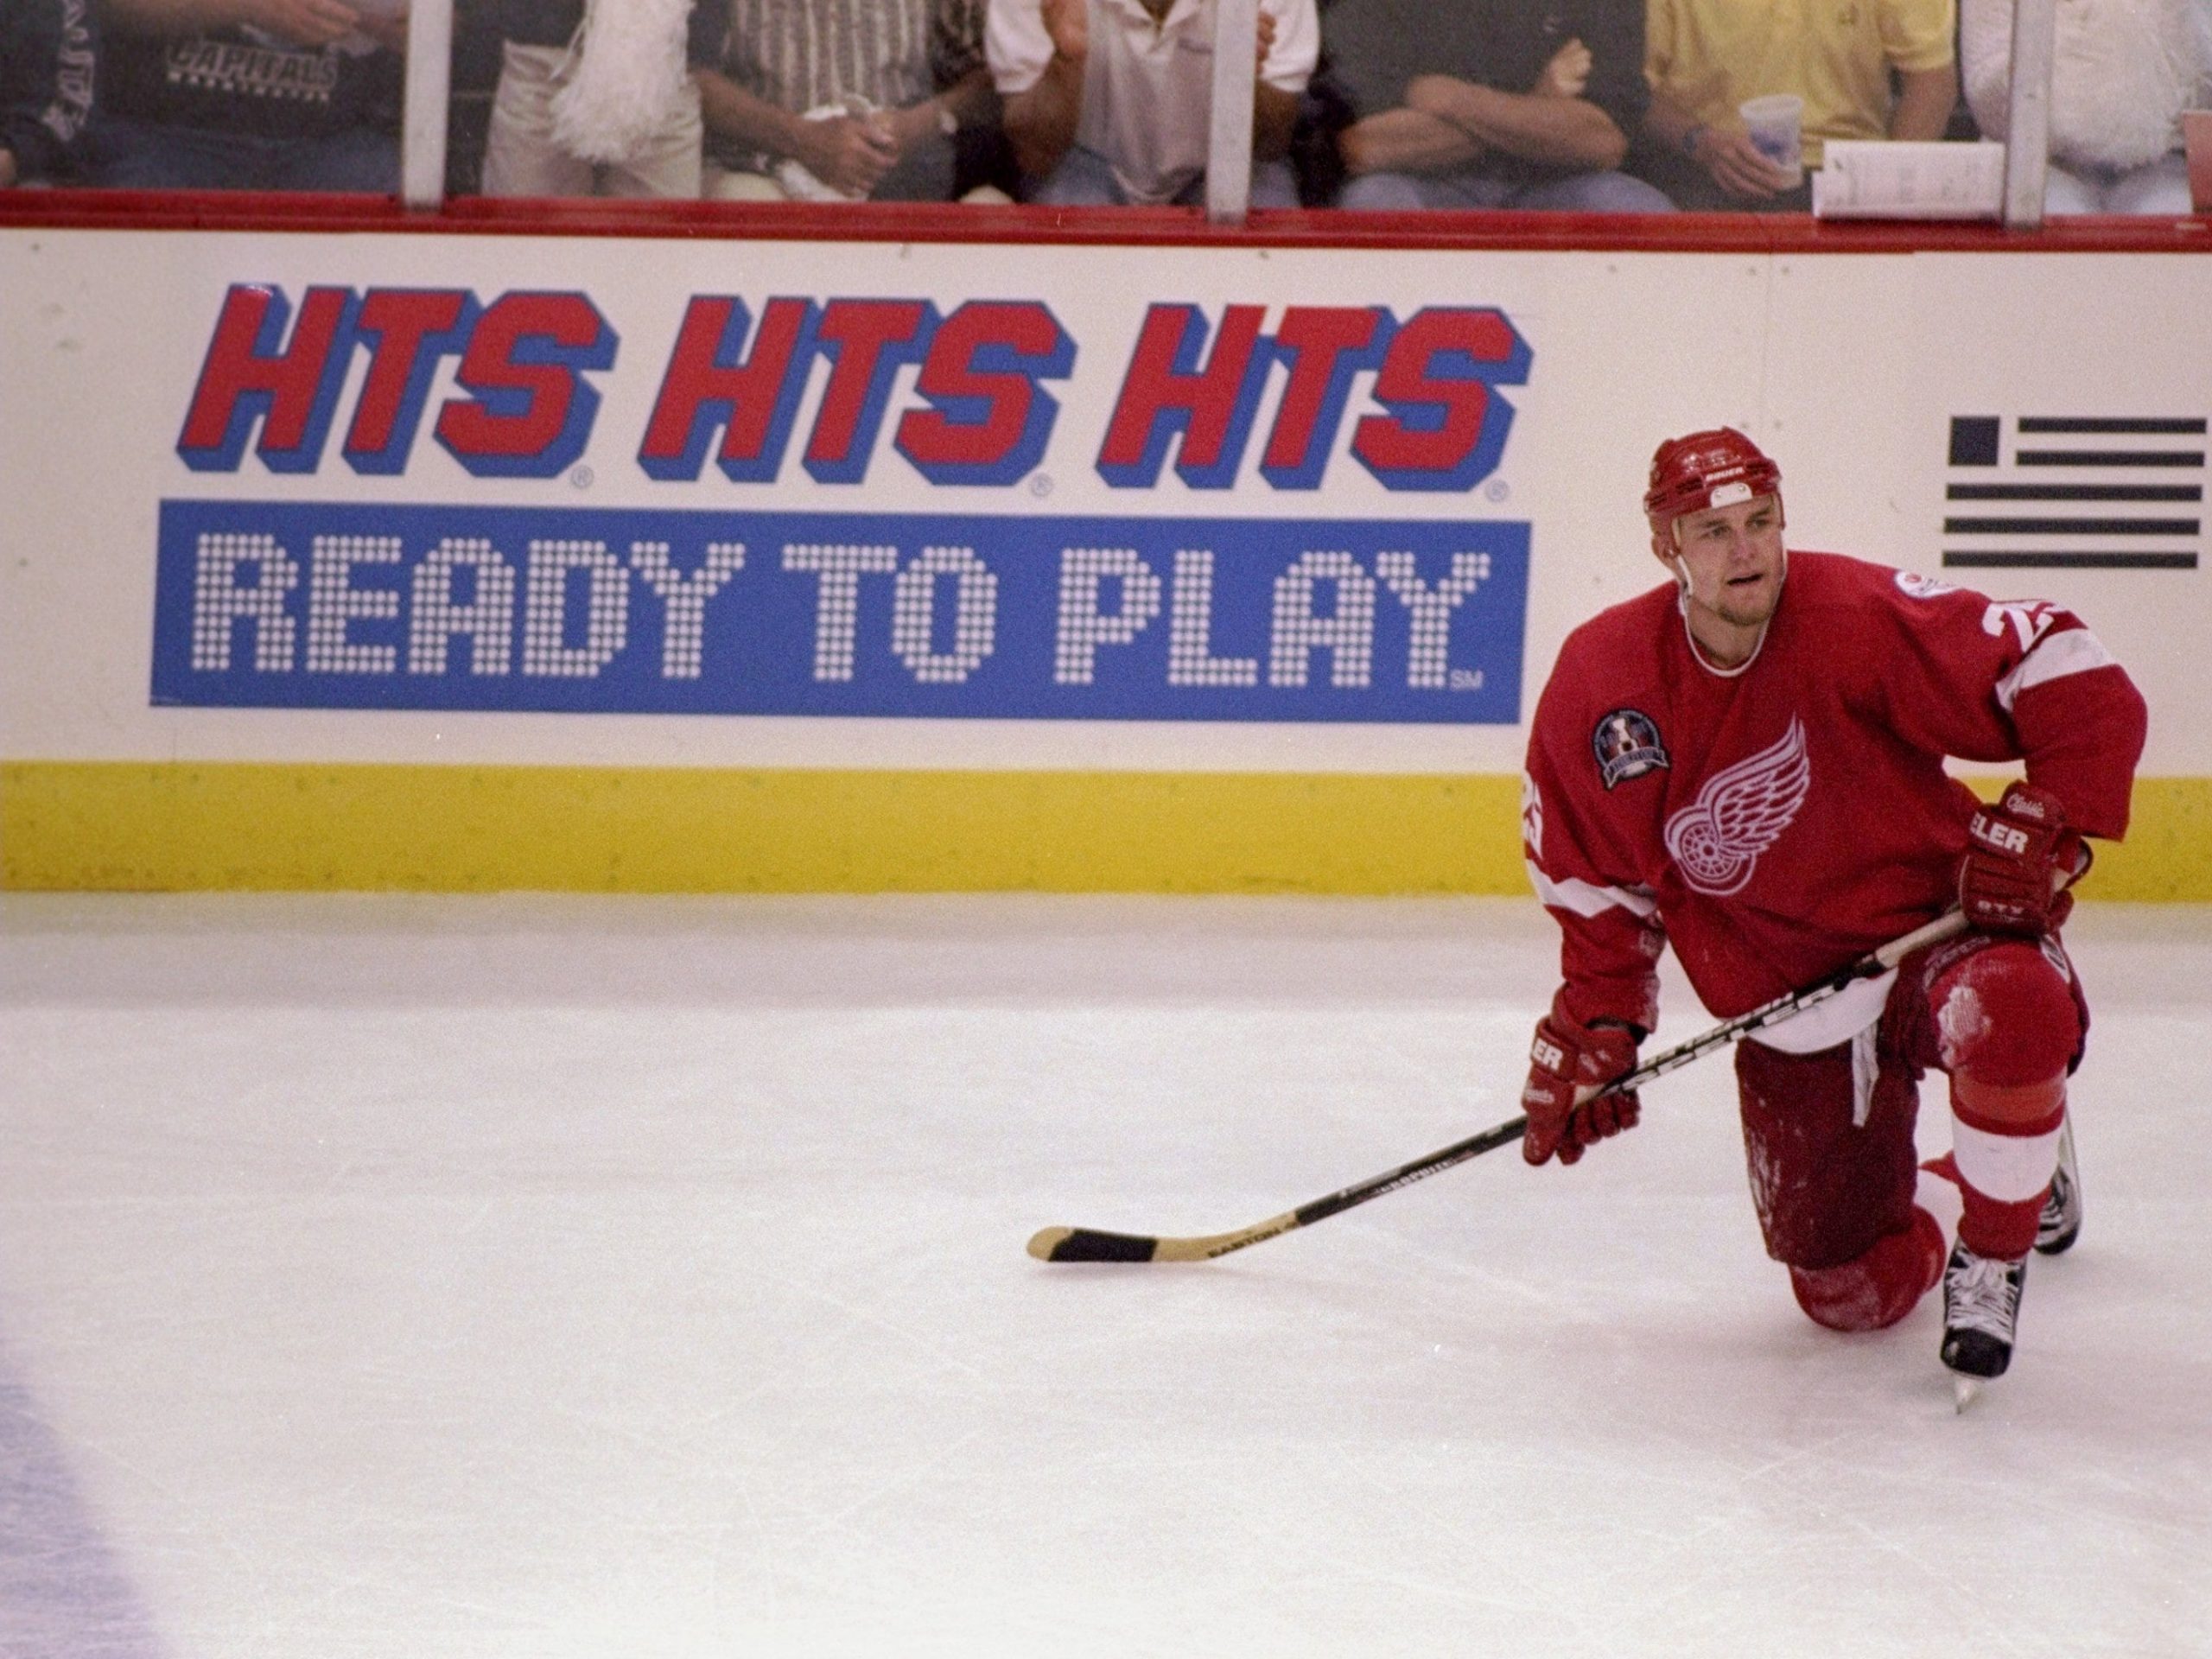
(1682, 605)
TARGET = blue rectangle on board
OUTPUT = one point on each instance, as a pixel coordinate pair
(612, 611)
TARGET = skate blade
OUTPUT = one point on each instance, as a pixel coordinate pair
(1963, 1391)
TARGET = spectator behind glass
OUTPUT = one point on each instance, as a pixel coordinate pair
(249, 95)
(2122, 72)
(1490, 104)
(603, 108)
(46, 86)
(1706, 57)
(844, 99)
(1107, 101)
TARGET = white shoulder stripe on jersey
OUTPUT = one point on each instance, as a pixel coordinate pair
(1587, 897)
(2074, 652)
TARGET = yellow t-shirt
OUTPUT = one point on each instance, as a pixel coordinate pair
(1710, 55)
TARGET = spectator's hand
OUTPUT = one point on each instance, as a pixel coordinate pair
(1567, 74)
(390, 33)
(848, 153)
(906, 130)
(1736, 165)
(304, 23)
(1068, 21)
(1266, 42)
(7, 174)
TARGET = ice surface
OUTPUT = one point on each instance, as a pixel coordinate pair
(414, 1277)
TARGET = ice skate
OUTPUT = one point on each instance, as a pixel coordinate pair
(2060, 1224)
(1981, 1305)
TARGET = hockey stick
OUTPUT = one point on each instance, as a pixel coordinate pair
(1089, 1244)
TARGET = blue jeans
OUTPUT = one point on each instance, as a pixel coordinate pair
(1578, 193)
(1086, 179)
(128, 155)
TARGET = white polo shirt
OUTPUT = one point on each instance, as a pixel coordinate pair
(1147, 88)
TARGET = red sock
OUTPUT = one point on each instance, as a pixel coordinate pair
(1879, 1288)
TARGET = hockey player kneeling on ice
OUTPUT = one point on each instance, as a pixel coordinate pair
(1747, 762)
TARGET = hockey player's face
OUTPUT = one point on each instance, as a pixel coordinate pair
(1731, 558)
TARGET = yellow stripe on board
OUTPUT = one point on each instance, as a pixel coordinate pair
(476, 829)
(2167, 856)
(71, 826)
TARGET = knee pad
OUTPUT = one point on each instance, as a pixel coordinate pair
(1879, 1287)
(2005, 1017)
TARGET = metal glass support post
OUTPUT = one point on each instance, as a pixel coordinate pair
(2027, 122)
(429, 91)
(1229, 139)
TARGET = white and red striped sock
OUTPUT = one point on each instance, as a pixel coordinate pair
(2004, 1145)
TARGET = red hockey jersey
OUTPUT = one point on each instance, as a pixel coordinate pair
(1776, 821)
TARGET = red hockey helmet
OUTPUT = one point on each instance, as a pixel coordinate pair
(1706, 469)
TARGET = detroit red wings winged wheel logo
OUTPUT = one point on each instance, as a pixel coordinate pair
(1740, 812)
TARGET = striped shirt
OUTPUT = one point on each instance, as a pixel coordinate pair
(801, 54)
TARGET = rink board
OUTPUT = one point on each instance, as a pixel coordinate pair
(468, 563)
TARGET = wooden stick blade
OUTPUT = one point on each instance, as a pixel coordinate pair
(1090, 1244)
(1085, 1245)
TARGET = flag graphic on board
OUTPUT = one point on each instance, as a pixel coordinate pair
(2053, 491)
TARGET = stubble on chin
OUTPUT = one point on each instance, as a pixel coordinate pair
(1748, 611)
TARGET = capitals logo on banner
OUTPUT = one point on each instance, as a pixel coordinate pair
(777, 610)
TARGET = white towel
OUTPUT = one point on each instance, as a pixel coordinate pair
(628, 81)
(2122, 72)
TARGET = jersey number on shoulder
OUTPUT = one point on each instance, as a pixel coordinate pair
(2030, 620)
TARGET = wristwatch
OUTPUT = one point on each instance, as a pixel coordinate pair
(947, 122)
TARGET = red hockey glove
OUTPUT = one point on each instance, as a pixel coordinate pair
(1566, 1059)
(2020, 856)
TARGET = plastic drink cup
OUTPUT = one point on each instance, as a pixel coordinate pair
(1776, 123)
